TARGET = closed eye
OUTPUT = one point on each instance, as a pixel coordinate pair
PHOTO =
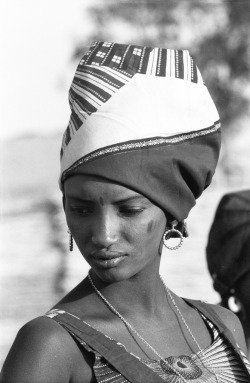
(130, 211)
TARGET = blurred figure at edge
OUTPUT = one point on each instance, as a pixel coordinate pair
(228, 255)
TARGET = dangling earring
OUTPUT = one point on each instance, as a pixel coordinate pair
(70, 240)
(170, 233)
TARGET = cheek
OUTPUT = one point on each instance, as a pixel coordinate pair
(148, 233)
(78, 228)
(154, 227)
(154, 234)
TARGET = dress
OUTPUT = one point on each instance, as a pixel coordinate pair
(221, 357)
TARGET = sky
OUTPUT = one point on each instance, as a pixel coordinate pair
(36, 44)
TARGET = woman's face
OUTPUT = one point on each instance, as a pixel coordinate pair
(117, 230)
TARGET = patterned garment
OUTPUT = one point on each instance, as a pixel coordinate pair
(217, 363)
(142, 116)
(219, 358)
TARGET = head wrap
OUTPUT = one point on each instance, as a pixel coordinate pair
(228, 248)
(143, 118)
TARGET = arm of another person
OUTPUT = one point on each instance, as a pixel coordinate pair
(43, 352)
(233, 323)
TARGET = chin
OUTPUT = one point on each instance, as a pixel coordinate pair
(112, 275)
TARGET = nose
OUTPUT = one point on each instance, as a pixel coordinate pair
(105, 231)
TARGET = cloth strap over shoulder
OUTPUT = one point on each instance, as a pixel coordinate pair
(128, 365)
(211, 314)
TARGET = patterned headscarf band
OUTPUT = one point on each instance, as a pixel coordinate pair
(142, 113)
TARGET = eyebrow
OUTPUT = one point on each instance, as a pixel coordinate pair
(78, 199)
(120, 201)
(130, 199)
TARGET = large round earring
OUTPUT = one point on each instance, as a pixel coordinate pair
(170, 233)
(70, 240)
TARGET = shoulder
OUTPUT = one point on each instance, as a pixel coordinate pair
(232, 322)
(42, 352)
(42, 334)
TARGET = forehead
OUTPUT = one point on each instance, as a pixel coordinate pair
(85, 186)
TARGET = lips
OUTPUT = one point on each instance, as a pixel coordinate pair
(106, 255)
(107, 259)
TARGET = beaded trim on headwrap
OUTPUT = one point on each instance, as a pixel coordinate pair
(140, 144)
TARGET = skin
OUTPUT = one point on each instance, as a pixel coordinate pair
(109, 220)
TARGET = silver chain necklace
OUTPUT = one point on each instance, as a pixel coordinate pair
(131, 328)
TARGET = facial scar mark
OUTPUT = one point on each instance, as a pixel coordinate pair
(150, 225)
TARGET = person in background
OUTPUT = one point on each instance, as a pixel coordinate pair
(142, 144)
(228, 255)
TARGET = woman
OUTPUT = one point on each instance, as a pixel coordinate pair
(228, 259)
(141, 145)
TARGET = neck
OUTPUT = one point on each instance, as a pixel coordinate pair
(142, 293)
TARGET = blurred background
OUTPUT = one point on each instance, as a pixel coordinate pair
(41, 42)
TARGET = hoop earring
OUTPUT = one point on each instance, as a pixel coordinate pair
(172, 231)
(70, 240)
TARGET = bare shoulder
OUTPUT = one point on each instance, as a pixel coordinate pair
(42, 352)
(233, 324)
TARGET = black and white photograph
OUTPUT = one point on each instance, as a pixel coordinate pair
(125, 191)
